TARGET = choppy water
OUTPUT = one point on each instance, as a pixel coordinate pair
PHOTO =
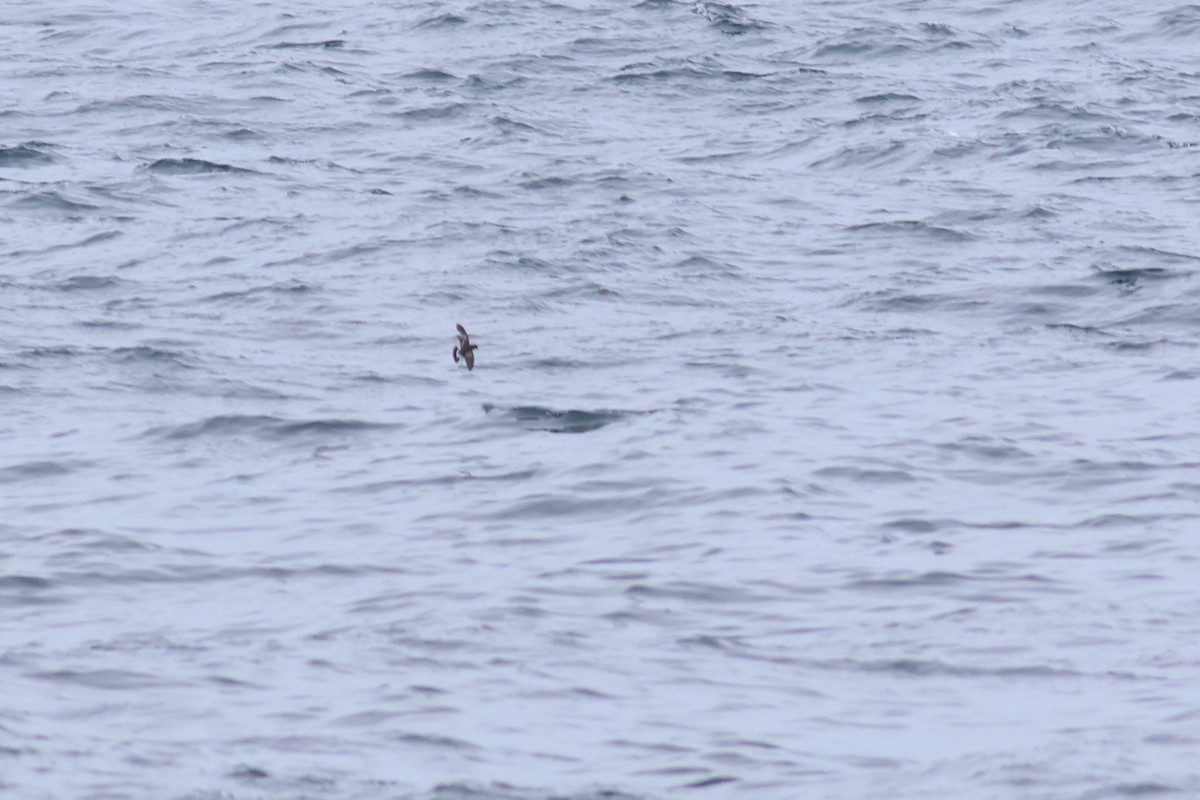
(833, 432)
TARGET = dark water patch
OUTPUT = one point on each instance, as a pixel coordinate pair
(890, 116)
(464, 190)
(716, 780)
(513, 126)
(985, 449)
(110, 325)
(195, 166)
(421, 381)
(1082, 330)
(115, 679)
(910, 227)
(738, 75)
(910, 302)
(539, 183)
(38, 470)
(1188, 262)
(911, 581)
(713, 158)
(1142, 789)
(248, 773)
(867, 155)
(365, 718)
(652, 747)
(10, 583)
(862, 44)
(433, 740)
(375, 377)
(1128, 345)
(1186, 314)
(242, 390)
(704, 268)
(555, 364)
(1131, 277)
(197, 573)
(1139, 522)
(1051, 111)
(266, 427)
(24, 155)
(381, 487)
(95, 238)
(148, 354)
(582, 292)
(648, 72)
(288, 288)
(1088, 164)
(1103, 138)
(86, 283)
(694, 591)
(687, 72)
(731, 370)
(324, 163)
(90, 539)
(39, 353)
(913, 525)
(326, 44)
(1032, 310)
(432, 113)
(1101, 180)
(921, 668)
(1088, 472)
(1157, 254)
(27, 590)
(481, 84)
(434, 75)
(498, 790)
(539, 418)
(380, 95)
(523, 262)
(442, 21)
(887, 98)
(937, 28)
(707, 641)
(1038, 212)
(243, 135)
(141, 102)
(310, 67)
(867, 476)
(1181, 22)
(53, 201)
(1065, 290)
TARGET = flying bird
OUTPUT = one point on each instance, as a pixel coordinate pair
(465, 349)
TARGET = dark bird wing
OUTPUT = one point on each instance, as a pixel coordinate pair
(469, 356)
(455, 354)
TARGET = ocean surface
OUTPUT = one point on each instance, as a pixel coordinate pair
(834, 430)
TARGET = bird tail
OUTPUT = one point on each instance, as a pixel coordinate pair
(455, 354)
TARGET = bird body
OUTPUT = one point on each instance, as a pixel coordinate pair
(465, 350)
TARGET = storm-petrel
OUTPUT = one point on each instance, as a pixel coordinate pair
(465, 349)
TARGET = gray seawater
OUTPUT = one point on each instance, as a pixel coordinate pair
(833, 432)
